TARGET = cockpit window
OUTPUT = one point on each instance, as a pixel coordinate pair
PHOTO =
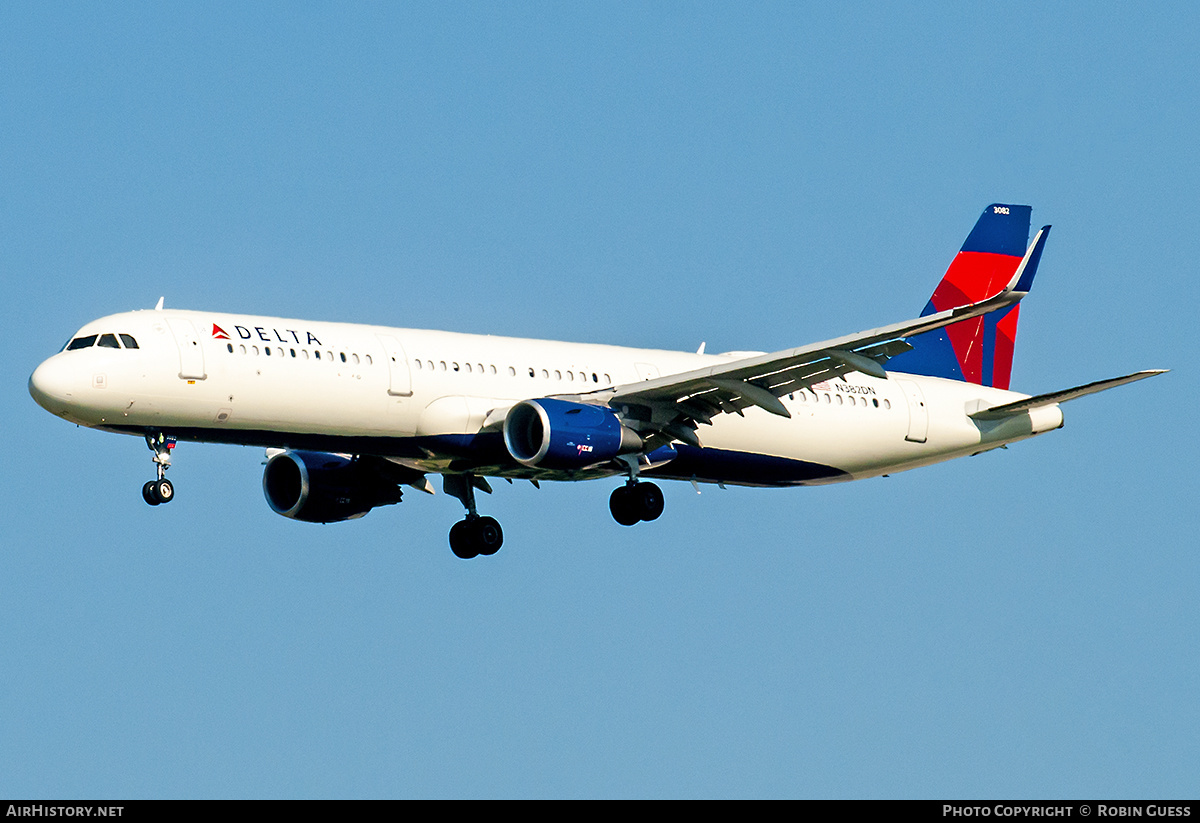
(82, 343)
(107, 341)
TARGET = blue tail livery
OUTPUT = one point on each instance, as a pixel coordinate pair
(979, 350)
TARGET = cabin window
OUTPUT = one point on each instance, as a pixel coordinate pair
(229, 346)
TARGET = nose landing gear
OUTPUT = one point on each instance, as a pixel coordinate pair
(159, 491)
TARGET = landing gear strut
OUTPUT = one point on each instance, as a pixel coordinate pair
(635, 501)
(159, 491)
(473, 535)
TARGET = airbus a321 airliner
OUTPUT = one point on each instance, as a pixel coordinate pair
(350, 414)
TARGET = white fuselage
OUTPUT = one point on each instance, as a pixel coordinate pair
(348, 388)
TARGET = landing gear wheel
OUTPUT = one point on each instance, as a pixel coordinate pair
(489, 535)
(634, 502)
(162, 490)
(155, 492)
(148, 493)
(463, 541)
(622, 505)
(649, 501)
(476, 536)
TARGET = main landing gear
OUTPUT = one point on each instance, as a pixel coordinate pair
(635, 501)
(159, 491)
(473, 535)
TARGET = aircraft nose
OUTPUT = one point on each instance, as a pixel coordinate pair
(52, 385)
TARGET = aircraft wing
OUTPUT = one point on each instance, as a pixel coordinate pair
(670, 407)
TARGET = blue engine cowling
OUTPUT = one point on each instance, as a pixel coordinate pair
(322, 488)
(558, 434)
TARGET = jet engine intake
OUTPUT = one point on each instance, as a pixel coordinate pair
(558, 434)
(323, 488)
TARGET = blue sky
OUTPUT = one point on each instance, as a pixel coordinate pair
(1021, 624)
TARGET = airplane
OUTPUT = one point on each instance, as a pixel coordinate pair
(352, 414)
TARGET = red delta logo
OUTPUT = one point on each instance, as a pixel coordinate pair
(219, 333)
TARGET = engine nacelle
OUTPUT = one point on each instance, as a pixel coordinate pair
(558, 434)
(321, 488)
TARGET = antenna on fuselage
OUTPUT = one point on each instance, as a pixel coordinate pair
(158, 305)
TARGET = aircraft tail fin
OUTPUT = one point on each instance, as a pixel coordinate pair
(978, 350)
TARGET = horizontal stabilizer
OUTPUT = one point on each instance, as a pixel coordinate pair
(998, 412)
